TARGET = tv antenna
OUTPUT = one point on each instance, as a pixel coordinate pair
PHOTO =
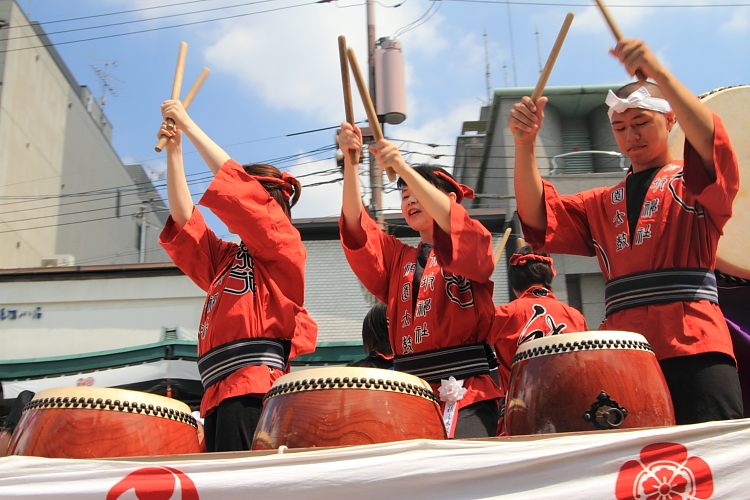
(104, 79)
(487, 70)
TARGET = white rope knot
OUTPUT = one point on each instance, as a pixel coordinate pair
(638, 99)
(451, 390)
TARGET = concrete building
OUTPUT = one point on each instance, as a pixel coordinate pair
(575, 151)
(65, 195)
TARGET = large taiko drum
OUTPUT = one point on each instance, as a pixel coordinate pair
(347, 406)
(732, 104)
(95, 422)
(585, 382)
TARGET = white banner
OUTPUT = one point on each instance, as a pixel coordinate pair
(694, 462)
(144, 372)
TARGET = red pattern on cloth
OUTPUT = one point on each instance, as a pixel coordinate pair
(271, 260)
(514, 319)
(454, 302)
(681, 220)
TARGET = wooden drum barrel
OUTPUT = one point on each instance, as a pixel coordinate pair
(584, 382)
(95, 422)
(347, 406)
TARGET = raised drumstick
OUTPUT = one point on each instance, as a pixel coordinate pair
(188, 99)
(348, 107)
(537, 93)
(372, 116)
(177, 83)
(616, 31)
(502, 246)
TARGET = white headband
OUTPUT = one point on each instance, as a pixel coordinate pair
(638, 99)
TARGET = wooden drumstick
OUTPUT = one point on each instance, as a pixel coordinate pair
(186, 103)
(520, 242)
(537, 93)
(617, 33)
(177, 83)
(502, 246)
(345, 84)
(372, 116)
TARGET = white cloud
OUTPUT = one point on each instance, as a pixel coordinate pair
(738, 24)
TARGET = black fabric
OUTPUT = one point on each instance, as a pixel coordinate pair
(221, 361)
(704, 387)
(17, 412)
(461, 361)
(477, 420)
(231, 426)
(660, 286)
(424, 252)
(374, 360)
(636, 186)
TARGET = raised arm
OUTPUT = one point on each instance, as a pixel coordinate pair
(434, 201)
(212, 154)
(180, 202)
(694, 117)
(350, 138)
(525, 120)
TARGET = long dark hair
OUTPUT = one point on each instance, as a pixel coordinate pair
(375, 331)
(274, 189)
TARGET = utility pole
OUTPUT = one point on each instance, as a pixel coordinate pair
(376, 173)
(487, 72)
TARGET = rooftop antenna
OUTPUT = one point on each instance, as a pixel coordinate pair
(487, 73)
(505, 73)
(538, 49)
(512, 50)
(104, 78)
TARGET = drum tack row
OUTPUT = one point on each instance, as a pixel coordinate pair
(591, 381)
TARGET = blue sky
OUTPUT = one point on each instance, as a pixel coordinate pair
(275, 67)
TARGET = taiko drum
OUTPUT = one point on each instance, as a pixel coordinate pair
(585, 382)
(347, 406)
(94, 422)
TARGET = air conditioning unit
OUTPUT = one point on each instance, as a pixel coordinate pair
(63, 260)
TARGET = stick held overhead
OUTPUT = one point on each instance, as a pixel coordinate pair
(346, 86)
(177, 82)
(540, 84)
(372, 116)
(500, 247)
(616, 32)
(186, 103)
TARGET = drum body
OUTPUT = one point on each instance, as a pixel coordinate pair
(94, 422)
(586, 381)
(347, 406)
(732, 104)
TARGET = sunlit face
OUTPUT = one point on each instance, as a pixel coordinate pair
(643, 136)
(418, 219)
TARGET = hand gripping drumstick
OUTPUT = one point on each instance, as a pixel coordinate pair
(372, 117)
(185, 103)
(348, 107)
(550, 63)
(502, 245)
(618, 34)
(177, 83)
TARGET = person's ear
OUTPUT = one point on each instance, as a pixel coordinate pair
(671, 120)
(452, 196)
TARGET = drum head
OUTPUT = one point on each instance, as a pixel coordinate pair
(733, 106)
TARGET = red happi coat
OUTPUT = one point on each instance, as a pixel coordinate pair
(679, 226)
(255, 289)
(534, 314)
(454, 302)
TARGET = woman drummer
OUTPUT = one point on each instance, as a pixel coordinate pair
(254, 320)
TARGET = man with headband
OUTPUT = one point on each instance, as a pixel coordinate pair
(654, 234)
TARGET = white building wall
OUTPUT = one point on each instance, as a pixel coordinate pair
(32, 140)
(58, 318)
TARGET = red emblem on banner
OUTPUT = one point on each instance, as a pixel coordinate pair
(154, 483)
(665, 472)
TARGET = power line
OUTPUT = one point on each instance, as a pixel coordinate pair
(160, 28)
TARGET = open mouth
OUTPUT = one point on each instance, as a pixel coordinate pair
(414, 211)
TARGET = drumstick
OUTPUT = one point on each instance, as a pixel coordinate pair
(617, 33)
(502, 245)
(177, 83)
(537, 93)
(520, 242)
(348, 107)
(188, 99)
(372, 116)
